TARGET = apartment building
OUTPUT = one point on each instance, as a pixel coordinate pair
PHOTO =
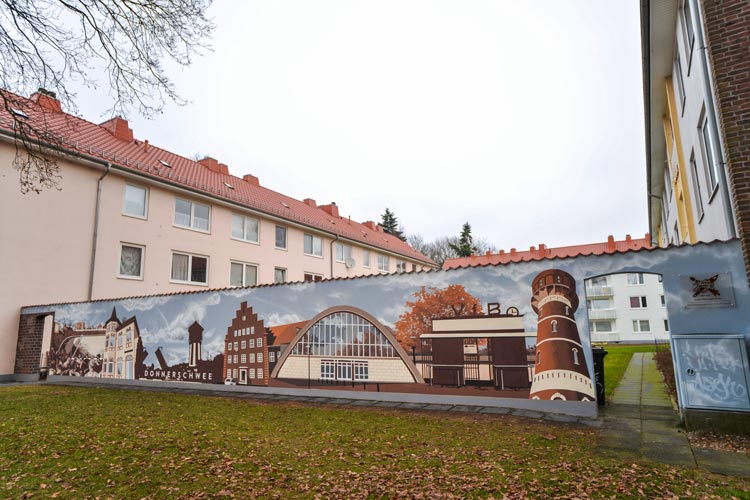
(133, 219)
(695, 99)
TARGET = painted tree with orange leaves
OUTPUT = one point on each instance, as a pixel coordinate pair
(430, 303)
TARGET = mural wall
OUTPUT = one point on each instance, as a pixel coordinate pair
(506, 331)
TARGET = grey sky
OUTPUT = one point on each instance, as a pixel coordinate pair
(523, 118)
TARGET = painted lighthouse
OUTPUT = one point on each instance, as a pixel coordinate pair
(560, 369)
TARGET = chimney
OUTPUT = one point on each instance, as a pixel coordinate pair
(145, 146)
(251, 179)
(47, 100)
(513, 252)
(487, 253)
(370, 225)
(223, 169)
(627, 238)
(542, 248)
(611, 243)
(210, 163)
(532, 249)
(647, 236)
(310, 202)
(331, 209)
(118, 127)
(501, 252)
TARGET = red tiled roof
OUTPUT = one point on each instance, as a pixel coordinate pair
(543, 252)
(285, 333)
(86, 139)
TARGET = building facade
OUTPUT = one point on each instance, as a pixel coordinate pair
(697, 189)
(133, 219)
(246, 349)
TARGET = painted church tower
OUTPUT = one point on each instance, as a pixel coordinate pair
(560, 370)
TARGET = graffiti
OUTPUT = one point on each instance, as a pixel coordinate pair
(720, 387)
(714, 372)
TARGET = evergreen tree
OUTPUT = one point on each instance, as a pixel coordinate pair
(389, 223)
(465, 245)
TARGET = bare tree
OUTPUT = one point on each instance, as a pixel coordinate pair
(52, 44)
(442, 248)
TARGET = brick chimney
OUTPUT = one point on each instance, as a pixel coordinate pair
(47, 100)
(331, 209)
(214, 166)
(628, 238)
(611, 243)
(310, 202)
(543, 249)
(118, 127)
(371, 225)
(251, 179)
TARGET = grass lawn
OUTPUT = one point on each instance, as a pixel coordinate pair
(616, 361)
(68, 442)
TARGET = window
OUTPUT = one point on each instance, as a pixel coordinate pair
(599, 304)
(188, 268)
(271, 357)
(313, 245)
(400, 266)
(343, 252)
(666, 325)
(366, 258)
(327, 370)
(251, 373)
(638, 302)
(259, 342)
(660, 278)
(280, 237)
(252, 357)
(599, 281)
(709, 153)
(641, 326)
(676, 233)
(361, 370)
(680, 81)
(229, 346)
(243, 358)
(635, 279)
(383, 263)
(235, 348)
(229, 373)
(689, 32)
(601, 327)
(260, 357)
(251, 343)
(241, 274)
(668, 181)
(245, 228)
(575, 357)
(191, 215)
(260, 372)
(131, 261)
(279, 275)
(663, 302)
(696, 186)
(313, 277)
(136, 199)
(554, 325)
(243, 344)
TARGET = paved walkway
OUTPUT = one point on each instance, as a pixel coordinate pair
(640, 422)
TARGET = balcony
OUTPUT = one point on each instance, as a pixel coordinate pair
(602, 314)
(598, 291)
(605, 337)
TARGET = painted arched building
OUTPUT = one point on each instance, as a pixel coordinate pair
(560, 370)
(345, 343)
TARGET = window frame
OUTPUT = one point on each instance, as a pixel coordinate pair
(384, 260)
(145, 201)
(688, 31)
(276, 237)
(366, 258)
(244, 272)
(641, 299)
(639, 328)
(191, 226)
(401, 266)
(143, 262)
(709, 154)
(311, 237)
(190, 268)
(314, 277)
(343, 247)
(244, 218)
(640, 278)
(283, 270)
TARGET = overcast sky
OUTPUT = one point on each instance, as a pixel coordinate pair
(523, 118)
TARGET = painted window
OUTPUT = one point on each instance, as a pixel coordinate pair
(251, 343)
(136, 201)
(243, 358)
(229, 373)
(327, 369)
(251, 373)
(599, 304)
(366, 258)
(361, 370)
(271, 357)
(313, 277)
(243, 274)
(554, 325)
(709, 153)
(188, 268)
(641, 326)
(635, 279)
(280, 237)
(688, 30)
(344, 334)
(638, 302)
(192, 215)
(119, 339)
(696, 186)
(245, 228)
(260, 372)
(251, 359)
(601, 326)
(666, 325)
(343, 252)
(400, 266)
(538, 355)
(259, 342)
(575, 357)
(313, 245)
(259, 357)
(229, 346)
(680, 81)
(663, 301)
(119, 367)
(383, 263)
(131, 261)
(243, 344)
(279, 275)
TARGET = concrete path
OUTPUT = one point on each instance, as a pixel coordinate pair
(640, 422)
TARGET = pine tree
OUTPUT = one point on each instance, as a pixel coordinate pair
(465, 245)
(389, 223)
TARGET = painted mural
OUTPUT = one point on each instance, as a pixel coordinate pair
(511, 331)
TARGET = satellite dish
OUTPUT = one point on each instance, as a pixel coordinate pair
(349, 263)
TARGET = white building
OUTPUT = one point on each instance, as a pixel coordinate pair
(628, 307)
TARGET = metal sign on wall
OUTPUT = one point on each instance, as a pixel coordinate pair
(707, 290)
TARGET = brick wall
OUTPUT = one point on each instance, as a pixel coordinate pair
(727, 28)
(29, 346)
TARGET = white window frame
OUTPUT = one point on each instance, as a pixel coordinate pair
(637, 326)
(190, 267)
(245, 219)
(143, 262)
(283, 270)
(640, 278)
(688, 30)
(244, 272)
(400, 266)
(145, 202)
(593, 326)
(680, 82)
(384, 263)
(366, 258)
(341, 248)
(191, 226)
(315, 277)
(642, 302)
(312, 238)
(276, 240)
(710, 155)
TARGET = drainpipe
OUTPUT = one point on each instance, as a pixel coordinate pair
(332, 242)
(96, 228)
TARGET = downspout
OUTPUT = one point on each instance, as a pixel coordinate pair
(96, 228)
(332, 242)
